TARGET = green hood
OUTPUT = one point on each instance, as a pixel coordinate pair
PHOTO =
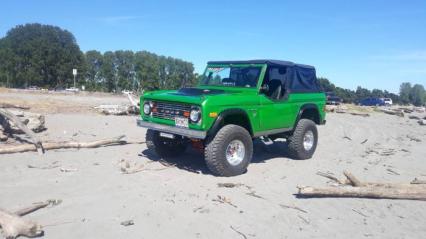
(198, 96)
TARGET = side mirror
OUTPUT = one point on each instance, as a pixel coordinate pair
(264, 88)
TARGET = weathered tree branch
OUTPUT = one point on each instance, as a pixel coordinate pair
(352, 179)
(64, 145)
(133, 102)
(14, 226)
(34, 138)
(366, 192)
(418, 181)
(360, 189)
(7, 105)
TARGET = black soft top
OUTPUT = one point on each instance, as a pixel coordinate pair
(262, 61)
(299, 78)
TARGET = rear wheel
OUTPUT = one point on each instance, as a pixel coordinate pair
(165, 147)
(230, 151)
(303, 142)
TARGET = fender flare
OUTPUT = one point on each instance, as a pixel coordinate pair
(307, 107)
(221, 117)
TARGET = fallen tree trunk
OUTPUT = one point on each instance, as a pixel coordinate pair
(418, 181)
(7, 105)
(6, 115)
(360, 189)
(14, 226)
(392, 112)
(34, 122)
(64, 145)
(114, 109)
(365, 192)
(360, 114)
(414, 117)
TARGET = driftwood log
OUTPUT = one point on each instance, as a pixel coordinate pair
(65, 145)
(13, 106)
(418, 181)
(414, 117)
(352, 187)
(8, 116)
(360, 114)
(399, 113)
(366, 192)
(132, 101)
(34, 122)
(133, 108)
(115, 109)
(13, 225)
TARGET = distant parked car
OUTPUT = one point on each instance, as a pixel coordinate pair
(388, 101)
(332, 99)
(72, 89)
(33, 87)
(372, 102)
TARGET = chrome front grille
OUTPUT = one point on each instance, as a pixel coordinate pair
(166, 110)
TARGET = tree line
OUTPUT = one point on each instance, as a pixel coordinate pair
(44, 56)
(408, 94)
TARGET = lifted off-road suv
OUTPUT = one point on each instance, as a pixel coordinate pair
(235, 102)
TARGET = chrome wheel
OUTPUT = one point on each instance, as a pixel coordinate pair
(235, 152)
(308, 140)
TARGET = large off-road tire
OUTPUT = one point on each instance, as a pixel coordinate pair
(303, 142)
(164, 147)
(230, 151)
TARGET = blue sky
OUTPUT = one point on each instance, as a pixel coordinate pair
(375, 44)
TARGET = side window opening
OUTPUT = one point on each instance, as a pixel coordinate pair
(275, 79)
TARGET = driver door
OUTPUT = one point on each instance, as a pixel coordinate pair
(275, 112)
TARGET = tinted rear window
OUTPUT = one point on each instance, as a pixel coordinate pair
(304, 80)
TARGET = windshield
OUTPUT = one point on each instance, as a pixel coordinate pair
(231, 76)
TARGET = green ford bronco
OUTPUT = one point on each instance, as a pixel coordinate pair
(236, 102)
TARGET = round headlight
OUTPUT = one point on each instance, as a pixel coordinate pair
(146, 109)
(195, 115)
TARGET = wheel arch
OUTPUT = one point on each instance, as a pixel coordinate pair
(309, 111)
(231, 116)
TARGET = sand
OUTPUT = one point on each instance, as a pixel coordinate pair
(178, 202)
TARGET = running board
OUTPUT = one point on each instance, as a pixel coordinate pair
(266, 140)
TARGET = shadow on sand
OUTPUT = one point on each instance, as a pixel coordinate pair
(193, 160)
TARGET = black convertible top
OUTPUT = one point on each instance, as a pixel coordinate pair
(262, 61)
(299, 78)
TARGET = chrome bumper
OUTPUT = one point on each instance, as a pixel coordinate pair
(173, 130)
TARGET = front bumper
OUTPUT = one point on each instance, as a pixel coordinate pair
(191, 133)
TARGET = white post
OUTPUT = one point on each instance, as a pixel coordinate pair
(74, 73)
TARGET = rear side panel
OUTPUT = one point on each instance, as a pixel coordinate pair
(297, 100)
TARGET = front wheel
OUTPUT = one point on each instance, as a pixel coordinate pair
(303, 142)
(230, 151)
(165, 147)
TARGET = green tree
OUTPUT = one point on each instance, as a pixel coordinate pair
(93, 77)
(404, 92)
(109, 72)
(417, 95)
(326, 85)
(125, 70)
(41, 55)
